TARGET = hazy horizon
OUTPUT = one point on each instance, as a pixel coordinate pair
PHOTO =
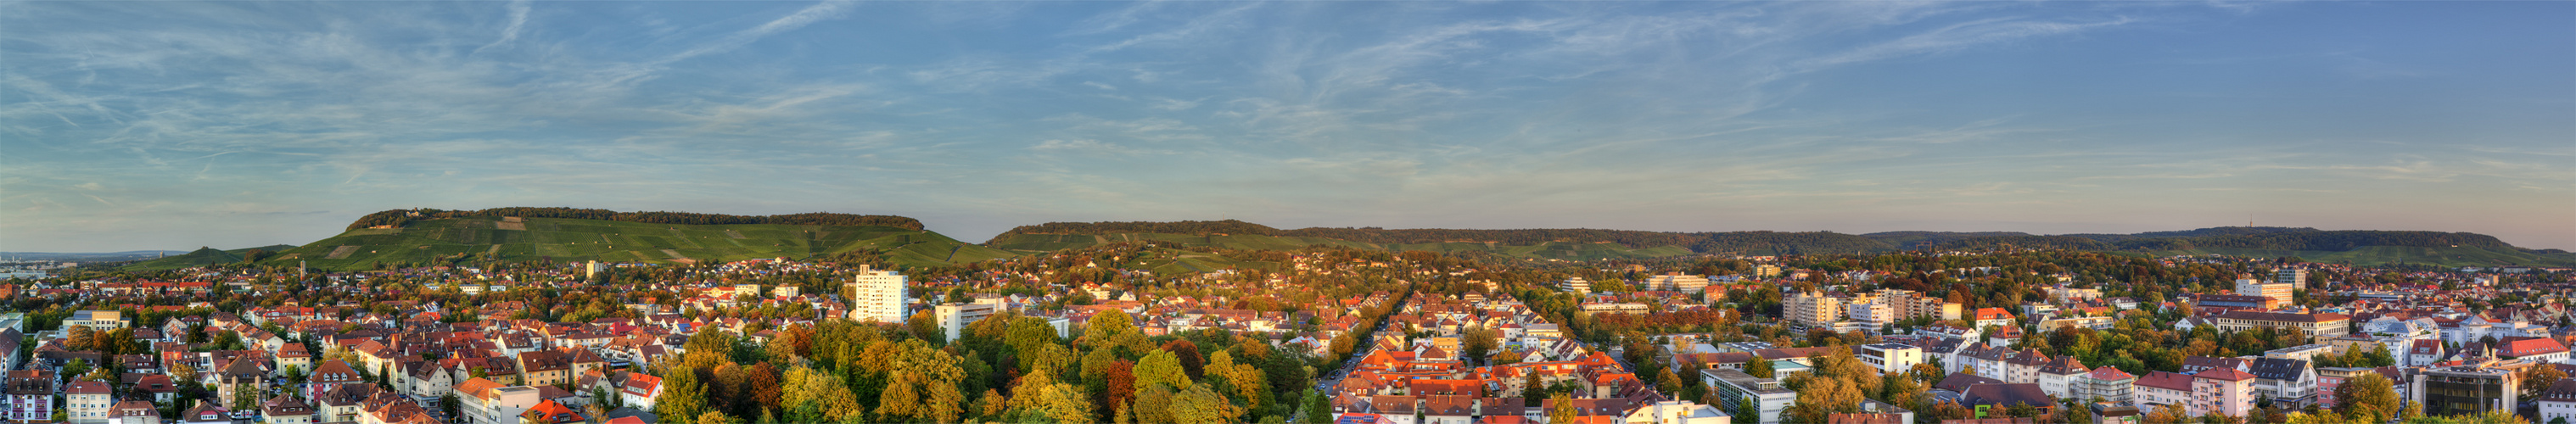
(172, 125)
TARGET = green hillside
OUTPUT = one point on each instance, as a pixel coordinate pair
(2386, 255)
(1573, 251)
(271, 248)
(201, 257)
(2355, 246)
(447, 240)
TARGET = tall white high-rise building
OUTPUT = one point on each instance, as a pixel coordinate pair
(877, 295)
(2296, 278)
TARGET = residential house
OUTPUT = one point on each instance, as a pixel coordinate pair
(206, 413)
(640, 390)
(159, 388)
(2159, 388)
(2289, 382)
(287, 409)
(343, 404)
(31, 396)
(1990, 400)
(134, 412)
(330, 375)
(2106, 383)
(1677, 412)
(550, 412)
(2533, 349)
(545, 368)
(87, 402)
(2222, 391)
(2057, 377)
(2558, 402)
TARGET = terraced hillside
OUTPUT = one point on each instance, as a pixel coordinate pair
(431, 241)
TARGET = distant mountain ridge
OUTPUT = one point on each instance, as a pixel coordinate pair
(417, 237)
(2467, 248)
(204, 256)
(432, 236)
(397, 217)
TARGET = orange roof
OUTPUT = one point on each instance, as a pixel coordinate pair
(560, 414)
(477, 387)
(1993, 313)
(2229, 374)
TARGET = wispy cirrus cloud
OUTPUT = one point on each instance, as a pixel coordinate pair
(1651, 115)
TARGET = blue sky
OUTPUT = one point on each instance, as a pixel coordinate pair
(172, 125)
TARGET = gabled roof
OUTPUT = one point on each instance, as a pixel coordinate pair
(85, 387)
(2280, 368)
(1960, 381)
(2197, 363)
(1993, 313)
(2229, 374)
(476, 387)
(2528, 346)
(2561, 391)
(2166, 380)
(2007, 395)
(2109, 374)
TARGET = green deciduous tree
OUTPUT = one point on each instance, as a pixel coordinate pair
(1039, 395)
(1201, 404)
(1319, 409)
(1163, 368)
(2367, 398)
(1560, 408)
(682, 395)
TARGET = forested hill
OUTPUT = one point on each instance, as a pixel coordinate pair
(2378, 246)
(2233, 238)
(1632, 239)
(398, 217)
(1196, 228)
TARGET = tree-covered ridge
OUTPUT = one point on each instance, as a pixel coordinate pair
(1785, 243)
(2025, 242)
(398, 217)
(2269, 238)
(2344, 240)
(1910, 240)
(1116, 227)
(1634, 239)
(1771, 242)
(1767, 242)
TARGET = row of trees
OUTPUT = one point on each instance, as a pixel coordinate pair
(1004, 368)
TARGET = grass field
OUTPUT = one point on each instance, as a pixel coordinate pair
(564, 240)
(1549, 250)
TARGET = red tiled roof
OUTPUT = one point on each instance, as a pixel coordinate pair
(2109, 374)
(2229, 374)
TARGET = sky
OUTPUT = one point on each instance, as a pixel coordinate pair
(175, 125)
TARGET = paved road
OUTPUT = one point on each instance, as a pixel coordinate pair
(1332, 378)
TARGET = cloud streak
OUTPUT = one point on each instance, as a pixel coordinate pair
(1851, 116)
